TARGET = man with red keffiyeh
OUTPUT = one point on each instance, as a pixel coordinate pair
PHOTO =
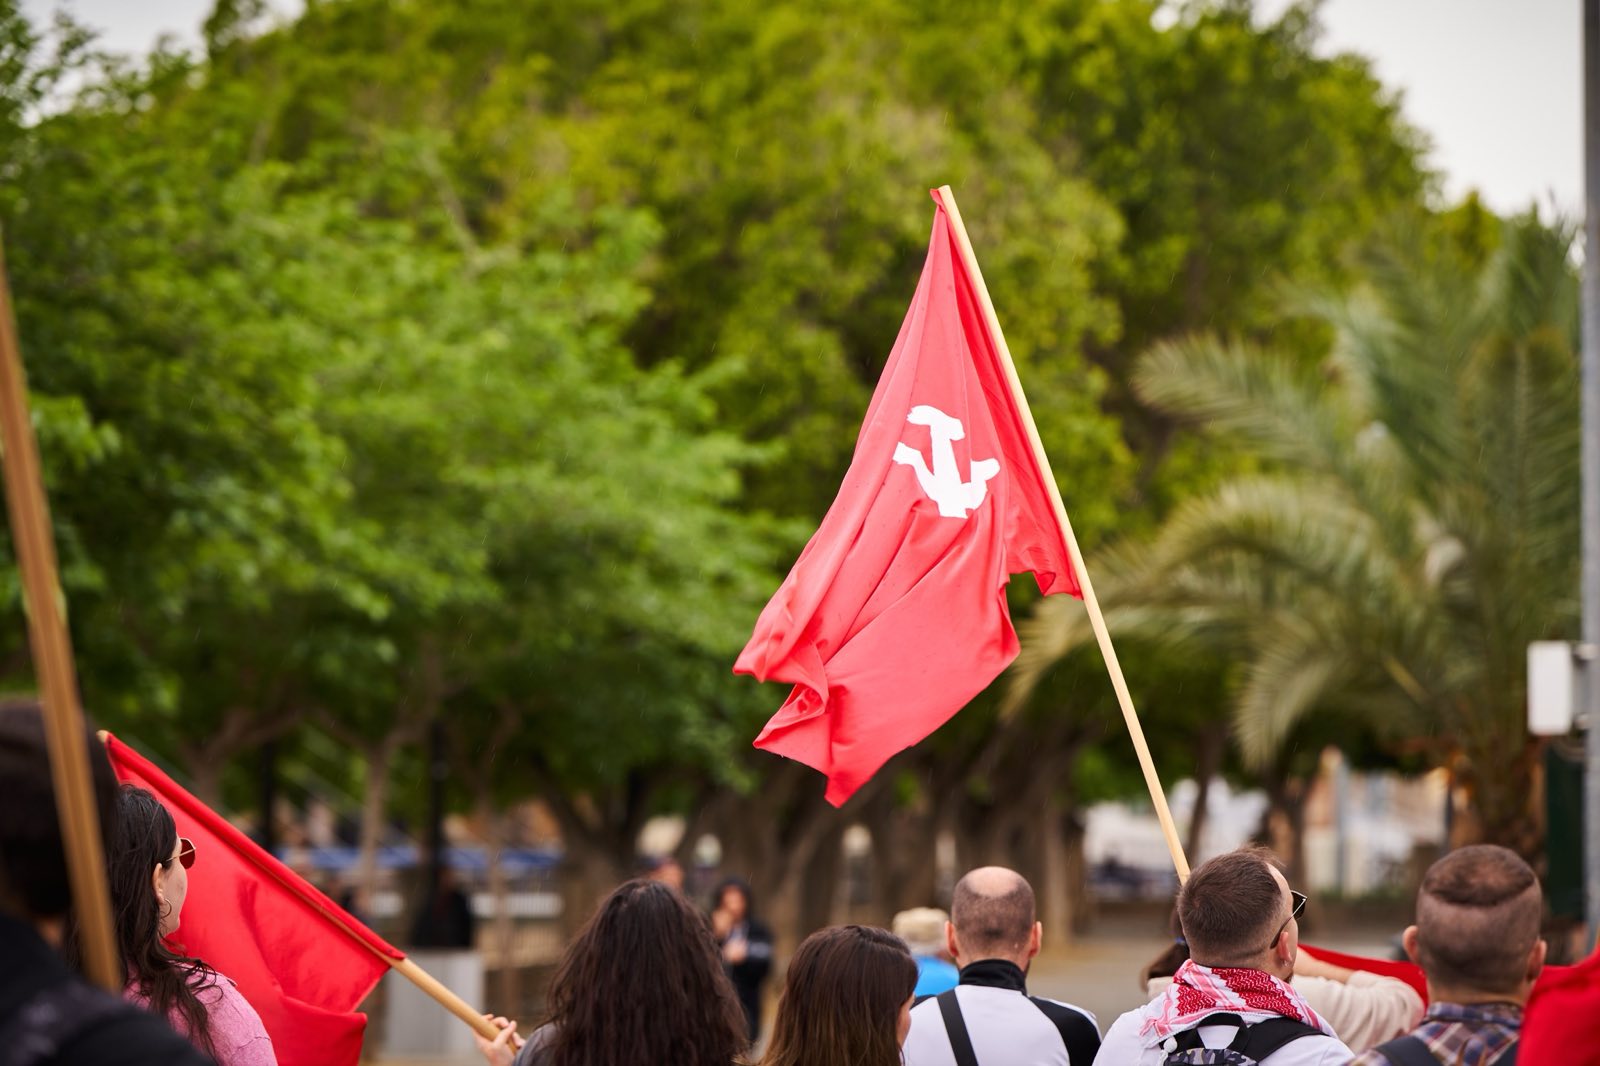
(1232, 1001)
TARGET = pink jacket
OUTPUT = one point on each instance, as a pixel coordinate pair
(236, 1030)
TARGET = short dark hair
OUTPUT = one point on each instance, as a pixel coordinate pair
(33, 861)
(1478, 915)
(1229, 906)
(992, 924)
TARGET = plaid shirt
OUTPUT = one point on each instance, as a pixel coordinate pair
(1461, 1035)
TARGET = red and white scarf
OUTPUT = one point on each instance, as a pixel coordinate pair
(1197, 991)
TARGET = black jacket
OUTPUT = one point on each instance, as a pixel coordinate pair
(51, 1017)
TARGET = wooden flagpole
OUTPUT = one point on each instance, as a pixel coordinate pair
(52, 658)
(1169, 829)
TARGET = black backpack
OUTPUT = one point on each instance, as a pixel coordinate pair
(1249, 1047)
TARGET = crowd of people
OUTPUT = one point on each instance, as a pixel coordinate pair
(652, 979)
(1233, 987)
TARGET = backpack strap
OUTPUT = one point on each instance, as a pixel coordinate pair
(1256, 1041)
(1263, 1038)
(955, 1027)
(1189, 1039)
(1407, 1051)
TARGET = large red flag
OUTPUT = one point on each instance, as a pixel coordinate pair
(301, 960)
(895, 616)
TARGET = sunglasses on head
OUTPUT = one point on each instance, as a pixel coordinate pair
(185, 852)
(1299, 905)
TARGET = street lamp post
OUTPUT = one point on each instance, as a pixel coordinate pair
(1591, 456)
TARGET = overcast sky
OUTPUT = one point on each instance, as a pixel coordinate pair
(1494, 83)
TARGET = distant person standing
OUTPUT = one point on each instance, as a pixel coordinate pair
(922, 928)
(663, 868)
(1477, 940)
(989, 1019)
(50, 1016)
(746, 946)
(445, 919)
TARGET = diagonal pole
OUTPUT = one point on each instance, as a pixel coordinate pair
(1158, 796)
(1590, 465)
(52, 657)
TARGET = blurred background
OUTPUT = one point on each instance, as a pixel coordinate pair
(432, 393)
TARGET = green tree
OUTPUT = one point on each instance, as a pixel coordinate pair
(1414, 526)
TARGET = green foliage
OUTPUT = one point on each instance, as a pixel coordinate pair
(1420, 526)
(416, 357)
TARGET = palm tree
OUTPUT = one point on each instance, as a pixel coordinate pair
(1411, 527)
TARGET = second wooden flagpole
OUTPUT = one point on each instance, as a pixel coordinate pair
(33, 543)
(1158, 796)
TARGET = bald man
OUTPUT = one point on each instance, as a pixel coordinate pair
(989, 1019)
(1477, 940)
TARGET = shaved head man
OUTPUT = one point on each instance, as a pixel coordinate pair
(989, 1019)
(1477, 939)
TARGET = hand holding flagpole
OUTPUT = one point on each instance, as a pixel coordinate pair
(1169, 829)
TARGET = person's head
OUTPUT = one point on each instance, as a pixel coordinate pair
(1237, 910)
(1477, 931)
(643, 982)
(34, 884)
(992, 917)
(663, 868)
(732, 897)
(846, 999)
(922, 928)
(148, 867)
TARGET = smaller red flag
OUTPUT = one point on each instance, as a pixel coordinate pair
(300, 959)
(1560, 1026)
(1404, 970)
(895, 616)
(1562, 1022)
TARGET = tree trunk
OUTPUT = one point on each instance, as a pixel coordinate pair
(1080, 904)
(374, 810)
(503, 930)
(1283, 824)
(1213, 742)
(205, 777)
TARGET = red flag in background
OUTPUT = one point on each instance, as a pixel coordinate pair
(1561, 1026)
(1562, 1022)
(1404, 970)
(895, 615)
(301, 960)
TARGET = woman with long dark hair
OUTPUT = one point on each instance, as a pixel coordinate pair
(846, 999)
(149, 873)
(642, 983)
